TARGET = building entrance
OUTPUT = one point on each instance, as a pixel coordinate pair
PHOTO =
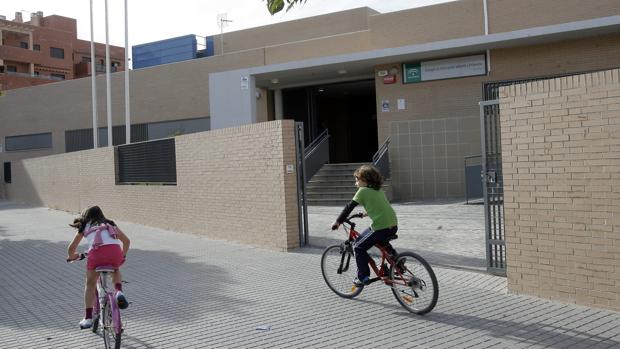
(348, 110)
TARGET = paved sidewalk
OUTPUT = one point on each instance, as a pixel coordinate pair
(191, 292)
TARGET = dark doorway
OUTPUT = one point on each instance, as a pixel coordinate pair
(347, 109)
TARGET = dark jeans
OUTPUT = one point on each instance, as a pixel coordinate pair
(364, 242)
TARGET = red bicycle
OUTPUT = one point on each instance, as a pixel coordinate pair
(410, 277)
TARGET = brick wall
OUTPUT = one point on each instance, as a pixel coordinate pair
(231, 185)
(561, 163)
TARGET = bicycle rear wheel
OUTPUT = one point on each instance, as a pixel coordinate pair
(339, 269)
(96, 313)
(414, 283)
(111, 339)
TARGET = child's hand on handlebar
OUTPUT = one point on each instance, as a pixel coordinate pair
(335, 225)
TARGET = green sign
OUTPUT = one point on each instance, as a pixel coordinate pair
(412, 72)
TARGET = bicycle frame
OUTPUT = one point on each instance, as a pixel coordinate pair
(382, 272)
(105, 295)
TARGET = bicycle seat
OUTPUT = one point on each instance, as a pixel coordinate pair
(393, 237)
(105, 269)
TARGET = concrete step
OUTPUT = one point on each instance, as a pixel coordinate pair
(330, 195)
(332, 188)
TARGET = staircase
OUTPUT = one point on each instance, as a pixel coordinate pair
(334, 185)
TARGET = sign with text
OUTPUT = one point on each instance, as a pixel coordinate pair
(444, 69)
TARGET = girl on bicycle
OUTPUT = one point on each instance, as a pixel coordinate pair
(105, 240)
(384, 223)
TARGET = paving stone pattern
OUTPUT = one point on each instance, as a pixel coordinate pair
(191, 292)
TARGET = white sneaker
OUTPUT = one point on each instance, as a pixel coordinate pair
(86, 323)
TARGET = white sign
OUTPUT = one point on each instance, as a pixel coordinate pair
(290, 168)
(400, 104)
(453, 67)
(444, 69)
(245, 82)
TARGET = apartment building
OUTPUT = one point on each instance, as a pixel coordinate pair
(45, 50)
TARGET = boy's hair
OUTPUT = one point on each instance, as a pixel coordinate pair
(93, 214)
(370, 175)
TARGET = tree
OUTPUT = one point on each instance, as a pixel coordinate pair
(275, 6)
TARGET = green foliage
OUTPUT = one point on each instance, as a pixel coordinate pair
(275, 6)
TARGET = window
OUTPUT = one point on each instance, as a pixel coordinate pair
(36, 47)
(57, 76)
(11, 68)
(57, 52)
(36, 73)
(28, 142)
(147, 162)
(23, 45)
(116, 64)
(7, 172)
(85, 59)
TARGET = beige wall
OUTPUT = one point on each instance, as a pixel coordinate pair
(561, 170)
(226, 188)
(428, 161)
(509, 15)
(427, 24)
(298, 30)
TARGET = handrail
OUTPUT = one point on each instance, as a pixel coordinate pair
(382, 149)
(381, 158)
(316, 154)
(317, 140)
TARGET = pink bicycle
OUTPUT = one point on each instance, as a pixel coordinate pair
(105, 310)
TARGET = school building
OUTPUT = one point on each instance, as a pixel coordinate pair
(413, 76)
(530, 89)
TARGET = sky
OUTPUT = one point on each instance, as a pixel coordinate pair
(157, 20)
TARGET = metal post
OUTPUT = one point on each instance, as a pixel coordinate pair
(93, 79)
(107, 76)
(127, 108)
(302, 205)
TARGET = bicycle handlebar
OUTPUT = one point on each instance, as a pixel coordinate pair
(80, 257)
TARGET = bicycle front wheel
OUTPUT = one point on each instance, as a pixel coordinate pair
(111, 338)
(339, 269)
(414, 283)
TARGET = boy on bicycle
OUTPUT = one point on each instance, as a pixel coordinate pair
(378, 208)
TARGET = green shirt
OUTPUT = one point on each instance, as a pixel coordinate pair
(377, 206)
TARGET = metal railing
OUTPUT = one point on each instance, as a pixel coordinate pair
(316, 154)
(381, 159)
(28, 75)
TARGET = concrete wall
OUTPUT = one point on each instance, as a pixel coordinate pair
(561, 163)
(231, 185)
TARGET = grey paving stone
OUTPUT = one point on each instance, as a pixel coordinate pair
(187, 291)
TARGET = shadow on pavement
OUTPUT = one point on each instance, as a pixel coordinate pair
(41, 291)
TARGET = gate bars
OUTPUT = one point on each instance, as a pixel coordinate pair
(493, 187)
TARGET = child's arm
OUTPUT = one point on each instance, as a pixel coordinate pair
(71, 254)
(344, 214)
(124, 239)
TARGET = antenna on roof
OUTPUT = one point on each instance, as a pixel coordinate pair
(222, 21)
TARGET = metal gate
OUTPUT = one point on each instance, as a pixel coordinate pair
(492, 178)
(493, 187)
(302, 204)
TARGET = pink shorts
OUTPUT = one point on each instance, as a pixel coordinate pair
(106, 255)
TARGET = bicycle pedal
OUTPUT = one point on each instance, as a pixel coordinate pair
(408, 299)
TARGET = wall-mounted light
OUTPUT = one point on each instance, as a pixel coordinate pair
(342, 71)
(275, 81)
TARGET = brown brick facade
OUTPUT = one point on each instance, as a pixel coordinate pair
(561, 163)
(232, 185)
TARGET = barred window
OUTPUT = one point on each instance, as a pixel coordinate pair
(28, 142)
(152, 162)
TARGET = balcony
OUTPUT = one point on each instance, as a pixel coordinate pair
(82, 69)
(18, 54)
